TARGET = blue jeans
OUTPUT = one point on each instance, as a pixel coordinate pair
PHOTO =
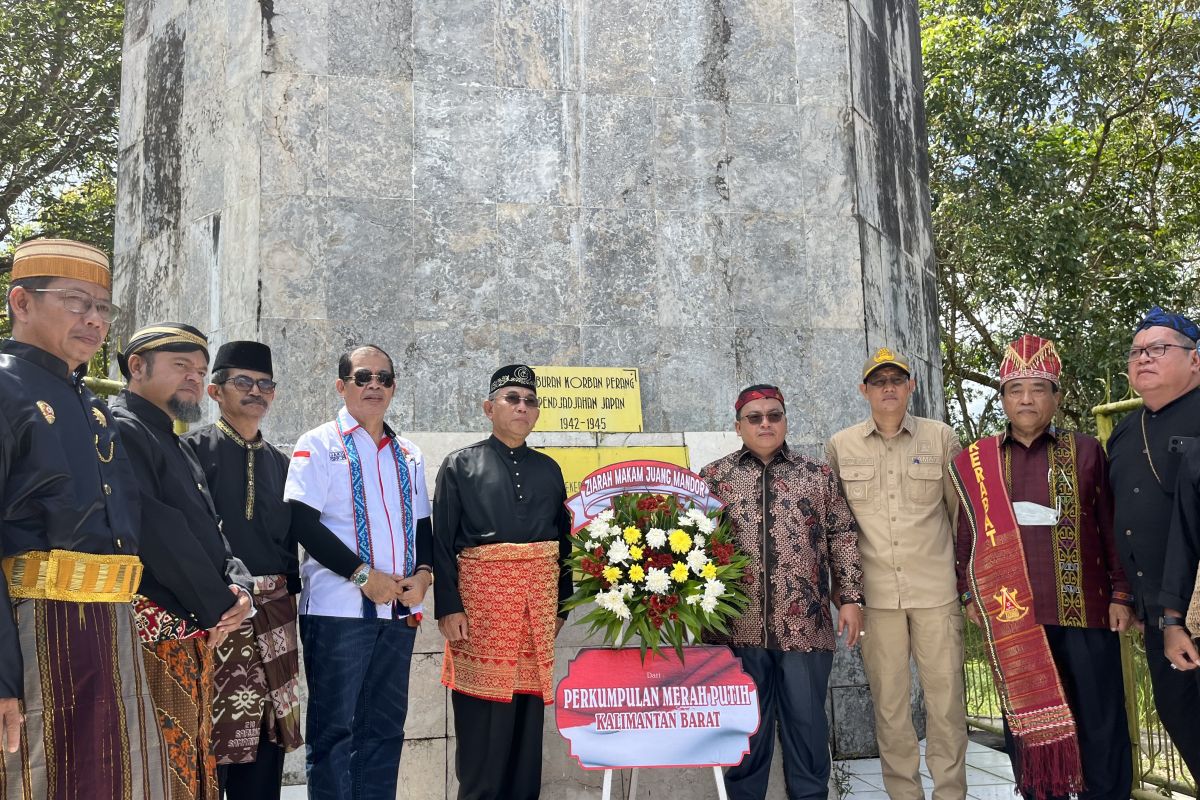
(791, 697)
(357, 673)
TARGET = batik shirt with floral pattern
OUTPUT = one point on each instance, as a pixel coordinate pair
(791, 519)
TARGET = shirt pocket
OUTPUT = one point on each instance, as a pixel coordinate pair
(923, 481)
(859, 484)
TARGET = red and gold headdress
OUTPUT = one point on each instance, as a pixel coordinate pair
(1031, 357)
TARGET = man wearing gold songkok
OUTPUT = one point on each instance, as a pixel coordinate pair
(1039, 573)
(500, 543)
(76, 719)
(194, 592)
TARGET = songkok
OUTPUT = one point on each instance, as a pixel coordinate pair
(172, 337)
(885, 357)
(1031, 357)
(1157, 318)
(758, 393)
(254, 356)
(513, 375)
(61, 258)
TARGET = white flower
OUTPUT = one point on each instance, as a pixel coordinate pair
(695, 598)
(606, 515)
(656, 538)
(658, 581)
(698, 541)
(615, 531)
(714, 588)
(626, 590)
(612, 601)
(696, 561)
(708, 604)
(705, 524)
(684, 521)
(618, 552)
(597, 529)
(592, 544)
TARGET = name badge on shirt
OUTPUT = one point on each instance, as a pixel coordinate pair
(1034, 513)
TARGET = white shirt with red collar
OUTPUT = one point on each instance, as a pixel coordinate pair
(319, 477)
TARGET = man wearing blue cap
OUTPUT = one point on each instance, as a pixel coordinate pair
(1146, 452)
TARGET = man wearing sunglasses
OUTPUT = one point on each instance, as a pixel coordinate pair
(366, 485)
(500, 547)
(1146, 451)
(893, 468)
(76, 716)
(790, 518)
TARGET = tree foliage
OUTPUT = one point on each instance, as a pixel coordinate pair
(59, 92)
(1065, 159)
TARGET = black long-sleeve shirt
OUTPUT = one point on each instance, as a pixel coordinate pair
(188, 563)
(65, 478)
(1183, 540)
(1143, 501)
(488, 493)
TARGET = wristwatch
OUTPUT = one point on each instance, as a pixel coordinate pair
(360, 576)
(1165, 622)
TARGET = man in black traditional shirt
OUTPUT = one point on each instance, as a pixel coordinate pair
(194, 592)
(1145, 452)
(500, 544)
(256, 711)
(68, 501)
(1179, 575)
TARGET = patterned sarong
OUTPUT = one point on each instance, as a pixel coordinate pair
(180, 674)
(89, 729)
(510, 595)
(1027, 681)
(256, 678)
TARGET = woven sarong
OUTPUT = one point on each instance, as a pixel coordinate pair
(256, 678)
(180, 673)
(510, 595)
(89, 729)
(1027, 681)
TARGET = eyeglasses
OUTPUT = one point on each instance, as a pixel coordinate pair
(1153, 350)
(244, 383)
(78, 302)
(754, 418)
(514, 399)
(362, 377)
(895, 380)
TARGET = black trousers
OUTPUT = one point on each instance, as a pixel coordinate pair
(1177, 698)
(261, 779)
(1089, 666)
(499, 753)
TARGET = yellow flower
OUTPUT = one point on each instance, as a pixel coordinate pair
(680, 541)
(708, 571)
(632, 535)
(637, 574)
(679, 572)
(635, 553)
(612, 574)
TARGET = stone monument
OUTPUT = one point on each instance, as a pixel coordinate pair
(717, 192)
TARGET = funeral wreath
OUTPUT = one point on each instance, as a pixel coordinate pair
(653, 569)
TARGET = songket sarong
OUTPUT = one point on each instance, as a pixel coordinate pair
(89, 729)
(510, 596)
(256, 678)
(179, 667)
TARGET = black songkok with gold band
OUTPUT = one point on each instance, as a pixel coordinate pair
(513, 375)
(172, 337)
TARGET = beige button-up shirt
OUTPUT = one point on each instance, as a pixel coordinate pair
(900, 492)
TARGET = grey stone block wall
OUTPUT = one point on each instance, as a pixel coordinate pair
(718, 192)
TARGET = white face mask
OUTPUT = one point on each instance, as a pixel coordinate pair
(1034, 513)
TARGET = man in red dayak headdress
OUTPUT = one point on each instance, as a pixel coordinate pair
(1038, 572)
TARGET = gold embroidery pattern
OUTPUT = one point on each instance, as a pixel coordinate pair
(1064, 495)
(251, 448)
(72, 576)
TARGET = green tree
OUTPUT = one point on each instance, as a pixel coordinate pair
(1065, 158)
(59, 92)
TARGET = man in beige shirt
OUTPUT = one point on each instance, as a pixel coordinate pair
(893, 468)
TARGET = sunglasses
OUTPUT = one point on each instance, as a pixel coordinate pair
(244, 383)
(362, 377)
(514, 399)
(895, 380)
(754, 418)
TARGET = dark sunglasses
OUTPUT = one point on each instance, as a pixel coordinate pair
(244, 383)
(362, 377)
(754, 418)
(514, 399)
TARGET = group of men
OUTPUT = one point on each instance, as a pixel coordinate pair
(153, 644)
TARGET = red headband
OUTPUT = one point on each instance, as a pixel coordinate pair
(758, 394)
